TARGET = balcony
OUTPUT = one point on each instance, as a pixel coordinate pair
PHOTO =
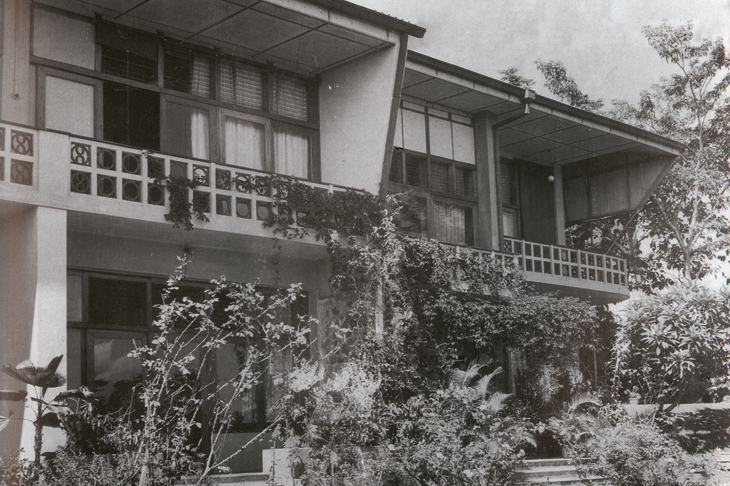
(597, 278)
(96, 180)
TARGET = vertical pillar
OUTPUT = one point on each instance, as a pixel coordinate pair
(487, 235)
(15, 92)
(559, 205)
(33, 299)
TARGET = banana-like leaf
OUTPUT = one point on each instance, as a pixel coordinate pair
(4, 421)
(45, 377)
(12, 396)
(482, 386)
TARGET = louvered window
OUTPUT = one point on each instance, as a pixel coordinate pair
(441, 177)
(290, 97)
(242, 85)
(187, 72)
(464, 182)
(128, 65)
(127, 53)
(416, 171)
(507, 184)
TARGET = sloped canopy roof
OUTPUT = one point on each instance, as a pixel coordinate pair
(552, 132)
(305, 37)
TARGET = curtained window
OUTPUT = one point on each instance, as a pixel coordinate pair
(291, 153)
(245, 143)
(453, 224)
(187, 130)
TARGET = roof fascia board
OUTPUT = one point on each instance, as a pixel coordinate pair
(362, 13)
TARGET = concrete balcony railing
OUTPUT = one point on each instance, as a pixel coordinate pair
(18, 156)
(110, 171)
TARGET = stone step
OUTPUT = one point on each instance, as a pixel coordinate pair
(547, 462)
(574, 480)
(241, 479)
(545, 471)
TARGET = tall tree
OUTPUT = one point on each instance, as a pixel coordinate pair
(684, 219)
(565, 87)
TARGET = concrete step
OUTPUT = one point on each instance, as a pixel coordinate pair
(241, 479)
(551, 471)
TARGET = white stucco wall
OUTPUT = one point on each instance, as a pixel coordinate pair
(33, 303)
(355, 103)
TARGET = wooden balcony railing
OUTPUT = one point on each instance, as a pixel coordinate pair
(559, 261)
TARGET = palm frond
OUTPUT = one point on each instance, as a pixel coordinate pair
(485, 382)
(495, 403)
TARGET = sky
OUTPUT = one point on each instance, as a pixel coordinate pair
(599, 41)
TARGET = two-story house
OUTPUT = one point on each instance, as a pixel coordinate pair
(99, 98)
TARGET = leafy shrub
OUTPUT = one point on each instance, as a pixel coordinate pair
(636, 453)
(670, 342)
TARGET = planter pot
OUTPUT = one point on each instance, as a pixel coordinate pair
(634, 401)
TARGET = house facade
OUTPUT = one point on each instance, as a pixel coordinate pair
(100, 98)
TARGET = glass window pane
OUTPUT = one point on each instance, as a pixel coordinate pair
(463, 143)
(439, 136)
(131, 116)
(398, 139)
(117, 302)
(396, 167)
(507, 184)
(414, 131)
(241, 85)
(416, 171)
(69, 106)
(186, 130)
(441, 177)
(115, 373)
(509, 225)
(245, 143)
(187, 72)
(465, 182)
(73, 363)
(74, 298)
(450, 223)
(63, 38)
(290, 97)
(291, 153)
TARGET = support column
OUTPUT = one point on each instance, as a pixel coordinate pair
(488, 235)
(559, 205)
(33, 303)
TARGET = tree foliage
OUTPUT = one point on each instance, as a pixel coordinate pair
(684, 220)
(671, 344)
(565, 87)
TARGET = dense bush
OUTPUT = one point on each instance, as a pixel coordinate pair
(636, 453)
(672, 344)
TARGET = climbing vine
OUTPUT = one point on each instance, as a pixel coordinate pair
(301, 209)
(182, 210)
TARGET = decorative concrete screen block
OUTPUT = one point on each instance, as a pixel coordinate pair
(21, 172)
(21, 143)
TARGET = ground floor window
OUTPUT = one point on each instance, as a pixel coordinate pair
(111, 315)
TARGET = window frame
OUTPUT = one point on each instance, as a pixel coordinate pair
(214, 103)
(88, 330)
(512, 207)
(165, 99)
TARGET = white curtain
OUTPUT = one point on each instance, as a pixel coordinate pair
(199, 133)
(200, 85)
(450, 223)
(245, 143)
(291, 153)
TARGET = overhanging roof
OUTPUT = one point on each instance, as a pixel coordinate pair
(552, 133)
(307, 37)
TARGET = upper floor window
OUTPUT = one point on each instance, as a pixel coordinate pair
(434, 158)
(141, 89)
